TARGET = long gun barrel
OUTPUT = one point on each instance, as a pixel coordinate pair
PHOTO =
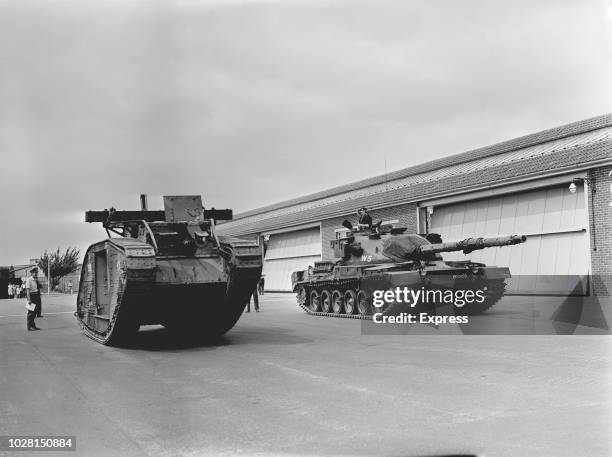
(472, 244)
(149, 216)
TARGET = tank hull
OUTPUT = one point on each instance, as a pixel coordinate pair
(358, 283)
(125, 285)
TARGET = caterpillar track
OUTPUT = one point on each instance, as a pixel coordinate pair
(304, 304)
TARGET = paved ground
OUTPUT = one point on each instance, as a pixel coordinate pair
(284, 383)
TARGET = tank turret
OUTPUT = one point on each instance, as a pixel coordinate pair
(385, 243)
(404, 247)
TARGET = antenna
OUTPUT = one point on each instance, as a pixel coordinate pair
(143, 202)
(386, 176)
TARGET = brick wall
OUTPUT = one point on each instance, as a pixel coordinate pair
(406, 214)
(600, 219)
(64, 282)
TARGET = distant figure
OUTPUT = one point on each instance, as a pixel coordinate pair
(11, 291)
(33, 295)
(365, 219)
(16, 291)
(70, 286)
(255, 302)
(260, 285)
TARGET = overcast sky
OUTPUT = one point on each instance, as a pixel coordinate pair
(253, 102)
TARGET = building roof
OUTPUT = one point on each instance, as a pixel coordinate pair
(581, 144)
(23, 269)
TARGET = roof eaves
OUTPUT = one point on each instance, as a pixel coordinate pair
(586, 157)
(532, 139)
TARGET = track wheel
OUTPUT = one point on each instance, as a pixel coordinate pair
(350, 301)
(326, 301)
(302, 296)
(315, 301)
(363, 304)
(337, 302)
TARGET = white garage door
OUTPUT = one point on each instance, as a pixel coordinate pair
(555, 258)
(288, 252)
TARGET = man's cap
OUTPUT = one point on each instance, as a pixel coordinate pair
(32, 270)
(363, 208)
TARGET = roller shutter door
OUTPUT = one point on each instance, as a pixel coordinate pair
(288, 252)
(555, 258)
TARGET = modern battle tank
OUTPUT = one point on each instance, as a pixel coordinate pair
(165, 267)
(384, 258)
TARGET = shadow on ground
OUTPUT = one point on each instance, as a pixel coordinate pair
(157, 338)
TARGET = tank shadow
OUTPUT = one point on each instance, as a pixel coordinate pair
(265, 335)
(157, 338)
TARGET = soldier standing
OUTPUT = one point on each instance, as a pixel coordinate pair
(33, 283)
(260, 285)
(32, 290)
(255, 302)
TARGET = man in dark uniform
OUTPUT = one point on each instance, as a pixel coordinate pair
(255, 302)
(32, 289)
(364, 218)
(260, 285)
(37, 298)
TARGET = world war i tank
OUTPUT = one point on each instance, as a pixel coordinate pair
(165, 267)
(383, 258)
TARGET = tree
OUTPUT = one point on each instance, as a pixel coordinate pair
(61, 264)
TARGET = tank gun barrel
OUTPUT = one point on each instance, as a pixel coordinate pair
(123, 216)
(148, 215)
(472, 244)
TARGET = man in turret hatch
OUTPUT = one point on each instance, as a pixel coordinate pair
(365, 220)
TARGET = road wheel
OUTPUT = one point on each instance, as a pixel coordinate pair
(350, 301)
(326, 301)
(337, 302)
(315, 301)
(302, 296)
(363, 303)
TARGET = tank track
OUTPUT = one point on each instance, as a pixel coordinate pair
(341, 285)
(116, 334)
(493, 296)
(128, 291)
(244, 265)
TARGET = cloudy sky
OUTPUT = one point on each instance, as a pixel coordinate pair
(252, 102)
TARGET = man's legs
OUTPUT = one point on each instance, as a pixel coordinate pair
(256, 301)
(36, 300)
(30, 318)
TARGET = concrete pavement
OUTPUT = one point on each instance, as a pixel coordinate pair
(285, 383)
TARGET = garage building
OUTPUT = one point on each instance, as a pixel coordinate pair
(520, 186)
